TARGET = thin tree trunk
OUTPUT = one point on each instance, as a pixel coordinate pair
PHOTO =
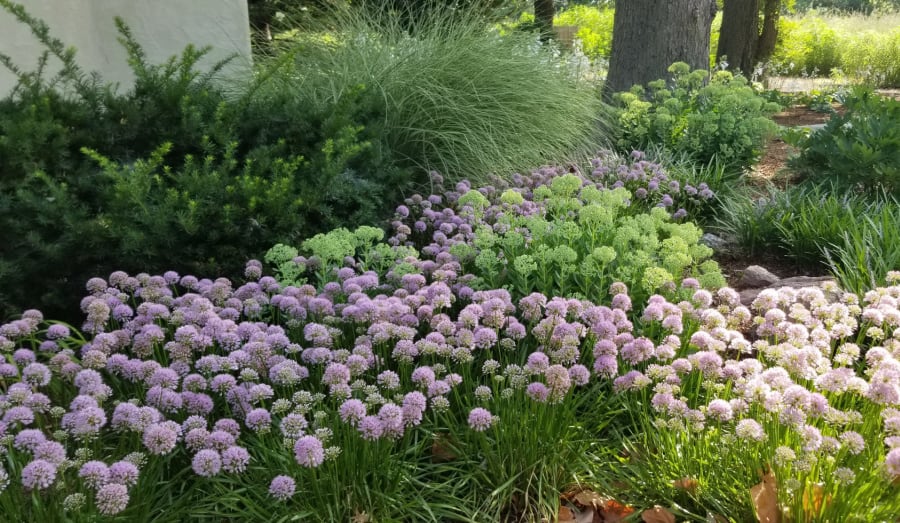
(649, 36)
(544, 11)
(739, 35)
(769, 36)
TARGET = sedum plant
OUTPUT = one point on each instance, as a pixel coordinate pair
(719, 116)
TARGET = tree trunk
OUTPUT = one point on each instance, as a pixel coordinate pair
(543, 17)
(739, 35)
(769, 36)
(649, 36)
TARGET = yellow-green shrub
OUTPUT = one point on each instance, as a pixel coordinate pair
(595, 28)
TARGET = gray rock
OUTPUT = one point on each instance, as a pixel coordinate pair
(755, 277)
(748, 295)
(716, 243)
(799, 282)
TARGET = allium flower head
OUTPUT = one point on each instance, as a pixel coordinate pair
(112, 498)
(892, 463)
(309, 451)
(258, 420)
(282, 487)
(38, 475)
(235, 459)
(207, 463)
(749, 429)
(124, 473)
(160, 439)
(480, 419)
(94, 473)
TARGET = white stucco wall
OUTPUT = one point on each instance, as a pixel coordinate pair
(162, 27)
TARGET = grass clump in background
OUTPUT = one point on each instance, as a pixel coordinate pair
(454, 95)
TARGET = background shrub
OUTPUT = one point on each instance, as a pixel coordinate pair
(723, 119)
(284, 169)
(857, 47)
(858, 148)
(594, 28)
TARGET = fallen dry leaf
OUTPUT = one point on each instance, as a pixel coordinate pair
(440, 449)
(657, 515)
(813, 498)
(687, 484)
(614, 512)
(360, 517)
(765, 500)
(565, 515)
(588, 498)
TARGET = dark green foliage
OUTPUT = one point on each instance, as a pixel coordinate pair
(723, 118)
(180, 171)
(854, 235)
(868, 250)
(859, 149)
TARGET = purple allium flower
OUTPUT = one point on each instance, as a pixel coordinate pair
(235, 459)
(370, 428)
(112, 498)
(423, 376)
(19, 414)
(853, 441)
(336, 373)
(352, 411)
(293, 425)
(812, 438)
(258, 419)
(36, 375)
(622, 302)
(206, 463)
(160, 439)
(57, 331)
(51, 451)
(538, 392)
(719, 410)
(749, 429)
(309, 452)
(480, 419)
(228, 425)
(124, 473)
(195, 439)
(892, 463)
(94, 473)
(29, 439)
(38, 475)
(220, 440)
(538, 362)
(282, 487)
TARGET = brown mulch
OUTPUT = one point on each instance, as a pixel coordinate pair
(802, 115)
(772, 166)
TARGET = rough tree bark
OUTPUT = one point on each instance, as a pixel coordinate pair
(766, 45)
(649, 35)
(544, 10)
(739, 35)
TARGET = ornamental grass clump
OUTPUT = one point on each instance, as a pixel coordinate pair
(452, 93)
